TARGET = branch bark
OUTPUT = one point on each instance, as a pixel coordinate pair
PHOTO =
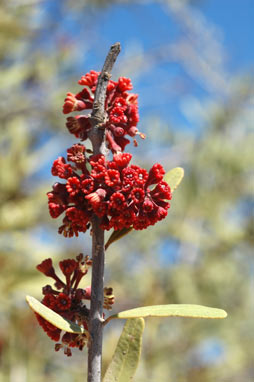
(97, 137)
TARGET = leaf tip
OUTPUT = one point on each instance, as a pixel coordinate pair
(223, 314)
(29, 300)
(174, 177)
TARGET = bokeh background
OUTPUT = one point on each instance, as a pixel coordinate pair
(192, 64)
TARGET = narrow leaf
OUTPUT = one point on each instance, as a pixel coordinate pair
(172, 310)
(127, 354)
(116, 235)
(174, 177)
(54, 318)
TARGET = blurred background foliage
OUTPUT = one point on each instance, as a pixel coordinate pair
(197, 113)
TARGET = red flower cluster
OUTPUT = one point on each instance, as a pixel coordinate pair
(67, 300)
(122, 195)
(121, 108)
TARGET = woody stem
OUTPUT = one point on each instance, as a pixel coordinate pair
(97, 137)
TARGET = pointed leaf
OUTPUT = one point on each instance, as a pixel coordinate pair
(116, 235)
(54, 318)
(174, 177)
(172, 310)
(127, 354)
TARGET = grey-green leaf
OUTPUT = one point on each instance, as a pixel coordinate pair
(171, 310)
(174, 177)
(127, 354)
(116, 235)
(54, 318)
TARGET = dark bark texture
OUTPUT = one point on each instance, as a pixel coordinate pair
(97, 137)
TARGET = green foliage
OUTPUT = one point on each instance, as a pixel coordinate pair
(174, 177)
(127, 354)
(171, 310)
(116, 235)
(54, 318)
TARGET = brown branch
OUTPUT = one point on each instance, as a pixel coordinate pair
(97, 137)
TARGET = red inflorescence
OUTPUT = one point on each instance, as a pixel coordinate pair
(68, 301)
(121, 108)
(123, 195)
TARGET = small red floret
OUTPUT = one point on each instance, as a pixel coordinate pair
(63, 302)
(73, 186)
(46, 267)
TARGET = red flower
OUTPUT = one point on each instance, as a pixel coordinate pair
(96, 197)
(117, 131)
(71, 103)
(63, 302)
(90, 79)
(148, 205)
(46, 267)
(53, 333)
(120, 143)
(68, 266)
(122, 159)
(124, 84)
(120, 102)
(155, 174)
(141, 175)
(73, 186)
(79, 126)
(161, 191)
(121, 108)
(137, 195)
(112, 178)
(117, 201)
(129, 176)
(87, 185)
(61, 169)
(117, 115)
(49, 300)
(55, 210)
(76, 154)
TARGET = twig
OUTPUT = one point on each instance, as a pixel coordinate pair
(97, 137)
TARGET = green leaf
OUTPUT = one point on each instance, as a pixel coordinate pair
(172, 310)
(127, 354)
(174, 177)
(54, 318)
(116, 235)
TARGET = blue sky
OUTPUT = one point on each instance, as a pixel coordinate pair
(147, 27)
(235, 19)
(150, 24)
(171, 87)
(223, 27)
